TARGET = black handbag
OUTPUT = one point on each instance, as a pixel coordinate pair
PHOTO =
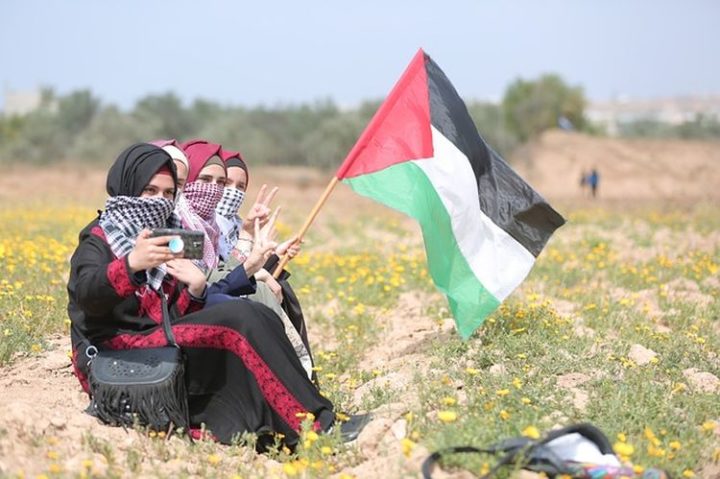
(144, 387)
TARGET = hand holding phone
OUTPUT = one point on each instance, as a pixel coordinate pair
(148, 252)
(189, 243)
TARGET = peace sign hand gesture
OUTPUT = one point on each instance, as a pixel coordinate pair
(263, 244)
(260, 210)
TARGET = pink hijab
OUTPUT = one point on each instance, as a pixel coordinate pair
(196, 208)
(198, 153)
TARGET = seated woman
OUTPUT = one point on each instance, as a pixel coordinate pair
(206, 173)
(242, 372)
(236, 242)
(172, 147)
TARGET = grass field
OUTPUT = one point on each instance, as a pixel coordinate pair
(618, 324)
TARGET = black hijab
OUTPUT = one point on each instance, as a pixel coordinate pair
(135, 167)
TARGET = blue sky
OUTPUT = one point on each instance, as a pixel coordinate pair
(250, 53)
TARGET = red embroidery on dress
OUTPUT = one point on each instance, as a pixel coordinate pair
(183, 302)
(150, 305)
(117, 274)
(186, 305)
(156, 339)
(222, 337)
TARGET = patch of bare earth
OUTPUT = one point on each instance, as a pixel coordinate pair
(43, 427)
(44, 410)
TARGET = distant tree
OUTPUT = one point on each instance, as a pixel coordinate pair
(76, 110)
(490, 122)
(327, 145)
(531, 107)
(203, 112)
(700, 128)
(163, 116)
(106, 136)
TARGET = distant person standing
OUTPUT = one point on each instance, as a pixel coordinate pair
(583, 181)
(593, 179)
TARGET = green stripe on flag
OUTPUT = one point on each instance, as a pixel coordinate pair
(406, 188)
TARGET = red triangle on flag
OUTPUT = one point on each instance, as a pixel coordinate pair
(399, 131)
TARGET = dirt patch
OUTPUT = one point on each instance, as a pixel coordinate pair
(702, 381)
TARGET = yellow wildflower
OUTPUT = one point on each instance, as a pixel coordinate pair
(708, 426)
(447, 416)
(624, 449)
(531, 432)
(290, 469)
(55, 468)
(407, 446)
(448, 401)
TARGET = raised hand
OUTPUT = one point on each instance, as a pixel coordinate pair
(149, 252)
(263, 245)
(291, 247)
(260, 210)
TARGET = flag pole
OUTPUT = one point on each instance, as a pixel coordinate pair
(311, 217)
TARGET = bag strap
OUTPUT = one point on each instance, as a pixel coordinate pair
(430, 461)
(534, 455)
(167, 327)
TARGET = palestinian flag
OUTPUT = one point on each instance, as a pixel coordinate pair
(483, 226)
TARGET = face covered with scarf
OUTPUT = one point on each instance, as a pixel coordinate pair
(141, 184)
(234, 193)
(201, 195)
(232, 199)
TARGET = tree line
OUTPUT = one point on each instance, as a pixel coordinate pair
(80, 127)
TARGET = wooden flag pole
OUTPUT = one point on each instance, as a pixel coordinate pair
(311, 217)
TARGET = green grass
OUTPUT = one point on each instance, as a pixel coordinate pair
(602, 285)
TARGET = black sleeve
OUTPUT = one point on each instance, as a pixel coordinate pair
(99, 281)
(270, 265)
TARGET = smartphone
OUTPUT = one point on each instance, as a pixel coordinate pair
(190, 243)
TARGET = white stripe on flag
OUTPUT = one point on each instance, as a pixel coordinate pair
(498, 261)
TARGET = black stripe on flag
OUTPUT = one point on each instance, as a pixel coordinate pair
(504, 197)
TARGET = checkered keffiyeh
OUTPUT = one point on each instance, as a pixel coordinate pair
(126, 216)
(230, 202)
(230, 225)
(203, 198)
(196, 208)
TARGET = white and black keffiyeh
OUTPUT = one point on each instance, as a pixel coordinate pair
(227, 219)
(230, 202)
(126, 216)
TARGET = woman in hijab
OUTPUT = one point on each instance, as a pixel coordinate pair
(202, 193)
(242, 372)
(233, 197)
(172, 147)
